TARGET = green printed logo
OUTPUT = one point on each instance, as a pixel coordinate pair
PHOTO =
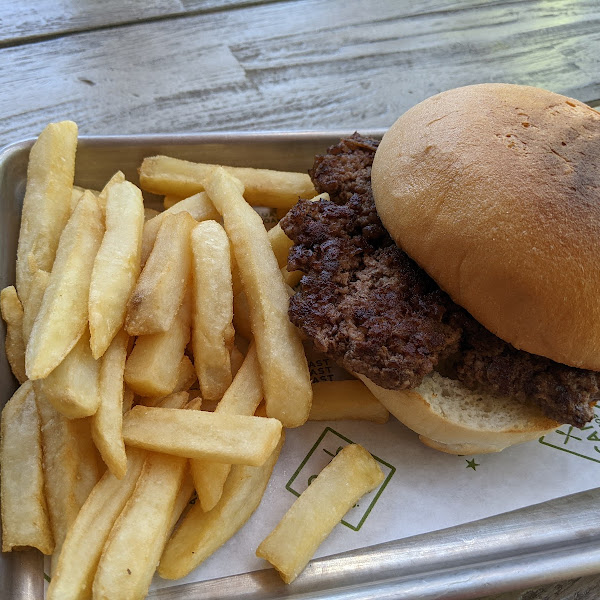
(584, 442)
(330, 442)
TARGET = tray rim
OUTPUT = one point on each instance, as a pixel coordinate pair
(462, 577)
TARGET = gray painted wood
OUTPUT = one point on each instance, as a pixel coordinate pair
(214, 65)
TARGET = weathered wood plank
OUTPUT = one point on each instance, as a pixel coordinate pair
(37, 19)
(313, 64)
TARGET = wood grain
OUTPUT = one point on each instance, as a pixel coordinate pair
(143, 66)
(313, 64)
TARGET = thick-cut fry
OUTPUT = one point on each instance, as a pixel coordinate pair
(200, 208)
(350, 399)
(83, 545)
(284, 370)
(117, 264)
(136, 541)
(24, 513)
(37, 288)
(128, 398)
(47, 202)
(227, 438)
(102, 196)
(175, 400)
(152, 368)
(212, 315)
(108, 420)
(169, 201)
(312, 517)
(184, 496)
(63, 315)
(72, 387)
(201, 533)
(242, 398)
(186, 377)
(165, 175)
(12, 313)
(162, 284)
(71, 468)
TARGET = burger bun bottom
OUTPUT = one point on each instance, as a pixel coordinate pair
(453, 419)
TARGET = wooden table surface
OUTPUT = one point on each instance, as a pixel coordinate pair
(169, 66)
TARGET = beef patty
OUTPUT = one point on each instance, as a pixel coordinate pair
(366, 304)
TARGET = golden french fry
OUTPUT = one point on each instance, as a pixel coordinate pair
(291, 278)
(312, 517)
(102, 196)
(198, 206)
(186, 377)
(242, 398)
(152, 368)
(264, 187)
(227, 438)
(212, 316)
(201, 533)
(169, 201)
(47, 202)
(161, 286)
(349, 399)
(108, 420)
(184, 496)
(136, 541)
(71, 468)
(63, 314)
(175, 400)
(37, 288)
(284, 369)
(237, 359)
(25, 519)
(117, 264)
(80, 554)
(12, 313)
(76, 195)
(72, 387)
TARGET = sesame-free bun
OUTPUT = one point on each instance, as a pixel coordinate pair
(494, 190)
(453, 419)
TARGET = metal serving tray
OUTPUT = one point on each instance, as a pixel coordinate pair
(546, 542)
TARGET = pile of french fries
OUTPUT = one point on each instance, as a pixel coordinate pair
(157, 363)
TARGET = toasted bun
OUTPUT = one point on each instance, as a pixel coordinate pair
(449, 417)
(494, 190)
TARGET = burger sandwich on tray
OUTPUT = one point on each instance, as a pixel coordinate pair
(456, 267)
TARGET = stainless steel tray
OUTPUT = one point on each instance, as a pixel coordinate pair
(547, 542)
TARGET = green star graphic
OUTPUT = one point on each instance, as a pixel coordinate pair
(471, 464)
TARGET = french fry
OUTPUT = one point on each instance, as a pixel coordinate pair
(226, 438)
(108, 420)
(47, 201)
(25, 519)
(237, 359)
(242, 398)
(284, 369)
(212, 316)
(72, 387)
(117, 264)
(349, 399)
(136, 541)
(169, 201)
(198, 206)
(264, 187)
(184, 496)
(37, 288)
(350, 475)
(152, 368)
(186, 377)
(71, 468)
(81, 550)
(12, 313)
(128, 398)
(175, 400)
(161, 286)
(63, 314)
(102, 196)
(201, 533)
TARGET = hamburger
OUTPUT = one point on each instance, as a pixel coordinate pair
(456, 267)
